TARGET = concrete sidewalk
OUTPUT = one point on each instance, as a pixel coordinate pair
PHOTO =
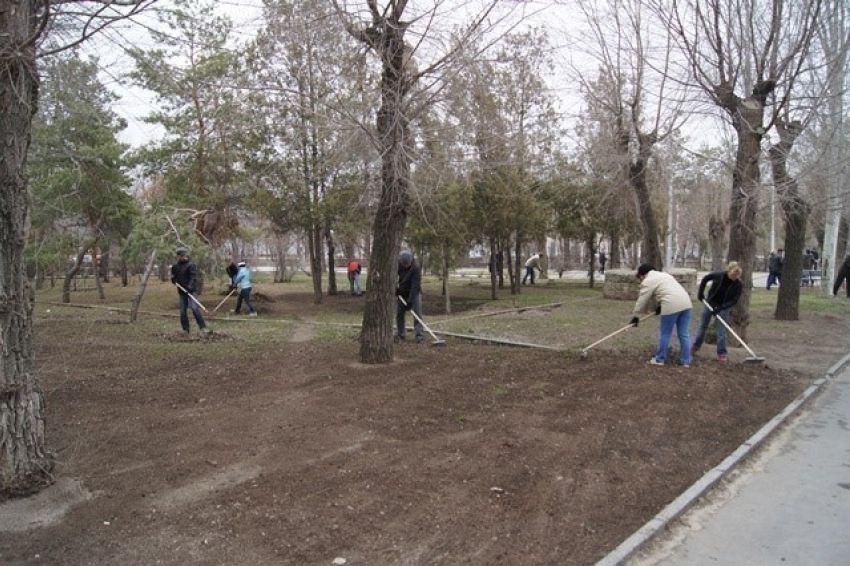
(789, 503)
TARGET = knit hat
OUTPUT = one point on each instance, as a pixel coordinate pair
(406, 259)
(240, 264)
(181, 251)
(645, 268)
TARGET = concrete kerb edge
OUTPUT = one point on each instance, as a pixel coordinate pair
(636, 542)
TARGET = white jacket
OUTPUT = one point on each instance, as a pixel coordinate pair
(664, 290)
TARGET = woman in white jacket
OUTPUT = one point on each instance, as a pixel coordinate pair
(673, 304)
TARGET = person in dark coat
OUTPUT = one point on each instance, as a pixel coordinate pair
(774, 268)
(185, 274)
(724, 292)
(231, 270)
(842, 276)
(410, 289)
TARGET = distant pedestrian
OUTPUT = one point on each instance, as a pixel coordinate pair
(244, 281)
(409, 296)
(185, 274)
(530, 265)
(673, 304)
(354, 277)
(602, 259)
(843, 276)
(774, 268)
(724, 292)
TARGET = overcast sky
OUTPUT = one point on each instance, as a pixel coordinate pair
(557, 16)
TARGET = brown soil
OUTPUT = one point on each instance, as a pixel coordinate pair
(292, 452)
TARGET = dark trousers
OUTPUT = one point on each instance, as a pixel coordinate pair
(415, 303)
(185, 304)
(772, 279)
(244, 295)
(529, 272)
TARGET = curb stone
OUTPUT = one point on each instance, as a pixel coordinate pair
(636, 542)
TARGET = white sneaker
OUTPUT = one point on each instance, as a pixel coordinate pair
(654, 362)
(253, 314)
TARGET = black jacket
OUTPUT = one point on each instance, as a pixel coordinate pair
(843, 273)
(186, 274)
(724, 292)
(409, 281)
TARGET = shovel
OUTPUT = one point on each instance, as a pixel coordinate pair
(753, 359)
(437, 341)
(601, 340)
(196, 301)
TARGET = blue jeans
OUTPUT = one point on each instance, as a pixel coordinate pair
(680, 321)
(244, 295)
(354, 284)
(414, 303)
(185, 304)
(529, 272)
(705, 320)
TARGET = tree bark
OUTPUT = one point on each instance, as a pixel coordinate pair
(716, 231)
(315, 247)
(393, 128)
(637, 180)
(25, 463)
(329, 242)
(796, 212)
(747, 118)
(140, 291)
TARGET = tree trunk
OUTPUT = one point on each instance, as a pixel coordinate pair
(71, 273)
(315, 247)
(637, 180)
(796, 212)
(25, 464)
(329, 240)
(445, 270)
(747, 119)
(614, 259)
(137, 298)
(493, 266)
(716, 231)
(393, 128)
(516, 279)
(544, 261)
(96, 272)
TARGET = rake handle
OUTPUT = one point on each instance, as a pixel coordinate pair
(416, 316)
(623, 329)
(729, 328)
(197, 302)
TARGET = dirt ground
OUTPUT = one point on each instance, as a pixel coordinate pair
(226, 450)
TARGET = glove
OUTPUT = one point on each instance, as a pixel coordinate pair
(658, 310)
(700, 298)
(716, 311)
(173, 281)
(232, 288)
(635, 321)
(397, 292)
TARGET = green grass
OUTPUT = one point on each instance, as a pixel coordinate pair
(583, 317)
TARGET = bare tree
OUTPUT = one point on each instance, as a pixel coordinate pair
(831, 133)
(384, 32)
(636, 95)
(746, 57)
(28, 28)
